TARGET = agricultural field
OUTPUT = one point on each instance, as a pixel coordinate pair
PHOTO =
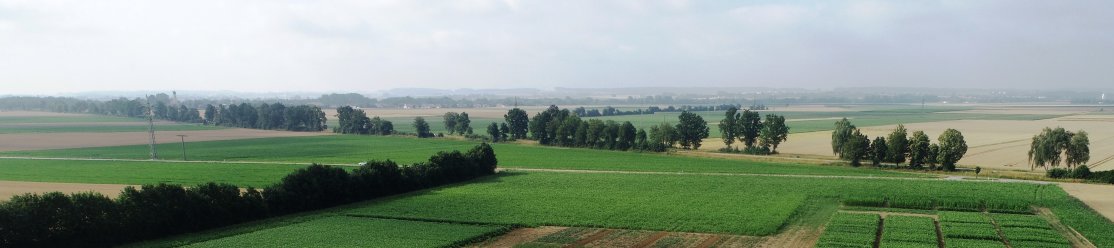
(347, 231)
(943, 229)
(351, 149)
(142, 172)
(998, 144)
(688, 203)
(23, 131)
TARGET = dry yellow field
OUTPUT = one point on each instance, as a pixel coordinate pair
(999, 144)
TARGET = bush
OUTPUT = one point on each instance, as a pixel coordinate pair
(313, 187)
(1081, 172)
(1058, 173)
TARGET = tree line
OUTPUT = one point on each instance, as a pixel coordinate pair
(161, 107)
(152, 211)
(758, 136)
(267, 116)
(355, 121)
(561, 127)
(849, 143)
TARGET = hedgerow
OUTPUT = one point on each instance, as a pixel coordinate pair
(94, 220)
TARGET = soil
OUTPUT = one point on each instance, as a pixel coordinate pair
(996, 144)
(519, 236)
(41, 141)
(1096, 196)
(13, 188)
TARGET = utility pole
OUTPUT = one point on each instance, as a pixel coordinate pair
(183, 136)
(151, 129)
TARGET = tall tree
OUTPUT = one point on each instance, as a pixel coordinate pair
(1078, 150)
(855, 148)
(664, 134)
(463, 124)
(918, 149)
(450, 121)
(493, 131)
(210, 114)
(692, 129)
(505, 131)
(627, 134)
(878, 150)
(952, 148)
(728, 125)
(842, 132)
(421, 128)
(774, 131)
(518, 121)
(898, 145)
(933, 156)
(1047, 147)
(750, 126)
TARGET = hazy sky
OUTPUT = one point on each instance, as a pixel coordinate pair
(269, 45)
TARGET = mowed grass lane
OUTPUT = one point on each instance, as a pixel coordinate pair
(142, 172)
(351, 149)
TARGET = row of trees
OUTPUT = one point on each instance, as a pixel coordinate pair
(458, 123)
(759, 137)
(355, 121)
(849, 143)
(151, 211)
(561, 127)
(180, 113)
(267, 116)
(1053, 146)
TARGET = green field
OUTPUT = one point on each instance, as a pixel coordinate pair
(693, 203)
(142, 172)
(718, 204)
(351, 149)
(345, 231)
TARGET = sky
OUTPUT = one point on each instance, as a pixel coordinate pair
(50, 47)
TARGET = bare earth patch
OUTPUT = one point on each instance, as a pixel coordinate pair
(998, 144)
(37, 114)
(41, 141)
(519, 236)
(1098, 197)
(14, 188)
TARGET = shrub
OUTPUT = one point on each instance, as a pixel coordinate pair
(313, 187)
(1081, 172)
(1058, 173)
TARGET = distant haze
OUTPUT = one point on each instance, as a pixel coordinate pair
(50, 47)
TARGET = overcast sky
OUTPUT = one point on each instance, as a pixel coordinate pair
(50, 46)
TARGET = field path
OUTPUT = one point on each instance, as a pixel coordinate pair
(14, 188)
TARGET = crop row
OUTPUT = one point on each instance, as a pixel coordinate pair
(847, 230)
(969, 229)
(955, 203)
(908, 231)
(344, 231)
(1029, 231)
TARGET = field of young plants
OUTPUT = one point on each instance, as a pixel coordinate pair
(957, 229)
(351, 149)
(346, 231)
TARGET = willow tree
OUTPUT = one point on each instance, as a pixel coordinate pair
(1053, 146)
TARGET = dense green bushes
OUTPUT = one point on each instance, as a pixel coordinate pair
(94, 220)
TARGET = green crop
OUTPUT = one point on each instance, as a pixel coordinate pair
(343, 231)
(908, 231)
(850, 230)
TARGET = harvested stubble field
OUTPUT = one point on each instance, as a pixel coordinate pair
(14, 188)
(351, 149)
(999, 144)
(142, 172)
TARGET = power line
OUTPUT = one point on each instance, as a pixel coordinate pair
(151, 129)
